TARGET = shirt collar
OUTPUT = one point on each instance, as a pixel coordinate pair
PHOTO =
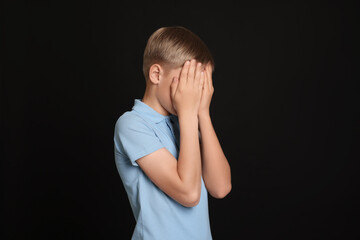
(148, 112)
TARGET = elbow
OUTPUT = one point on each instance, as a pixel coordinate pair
(222, 192)
(191, 199)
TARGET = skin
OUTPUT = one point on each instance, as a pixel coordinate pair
(186, 92)
(215, 167)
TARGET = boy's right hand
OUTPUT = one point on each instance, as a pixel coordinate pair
(187, 89)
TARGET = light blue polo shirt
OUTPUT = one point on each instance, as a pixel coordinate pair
(140, 132)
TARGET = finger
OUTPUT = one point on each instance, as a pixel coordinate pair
(202, 81)
(208, 76)
(205, 80)
(191, 73)
(184, 73)
(197, 73)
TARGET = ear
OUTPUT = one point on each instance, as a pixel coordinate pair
(155, 73)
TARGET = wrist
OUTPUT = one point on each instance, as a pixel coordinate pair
(188, 116)
(204, 114)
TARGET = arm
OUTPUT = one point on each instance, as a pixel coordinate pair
(181, 179)
(215, 167)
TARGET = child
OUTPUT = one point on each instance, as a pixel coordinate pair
(166, 149)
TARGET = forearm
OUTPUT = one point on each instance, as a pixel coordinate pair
(215, 167)
(189, 161)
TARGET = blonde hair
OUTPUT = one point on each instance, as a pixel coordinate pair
(172, 46)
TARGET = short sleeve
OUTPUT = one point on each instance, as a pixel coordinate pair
(135, 138)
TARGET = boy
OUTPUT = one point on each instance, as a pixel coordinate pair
(166, 149)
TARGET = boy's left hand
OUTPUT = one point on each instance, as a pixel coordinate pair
(207, 92)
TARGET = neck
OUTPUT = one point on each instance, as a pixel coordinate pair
(151, 100)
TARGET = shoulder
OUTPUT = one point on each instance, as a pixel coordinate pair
(131, 120)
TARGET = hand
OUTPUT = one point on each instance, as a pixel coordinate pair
(187, 89)
(207, 92)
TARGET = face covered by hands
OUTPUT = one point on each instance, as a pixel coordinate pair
(207, 92)
(186, 90)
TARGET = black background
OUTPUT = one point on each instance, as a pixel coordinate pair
(285, 110)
